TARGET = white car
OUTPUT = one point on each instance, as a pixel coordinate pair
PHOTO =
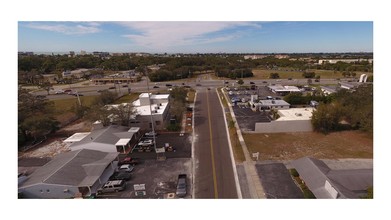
(145, 143)
(126, 168)
(231, 93)
(151, 134)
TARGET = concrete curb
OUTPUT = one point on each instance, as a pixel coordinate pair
(238, 190)
(192, 152)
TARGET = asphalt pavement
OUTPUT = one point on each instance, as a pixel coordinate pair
(214, 176)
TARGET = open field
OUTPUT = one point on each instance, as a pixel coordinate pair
(285, 74)
(127, 98)
(290, 146)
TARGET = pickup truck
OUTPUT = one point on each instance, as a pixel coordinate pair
(181, 186)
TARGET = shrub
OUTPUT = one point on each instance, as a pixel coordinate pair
(294, 172)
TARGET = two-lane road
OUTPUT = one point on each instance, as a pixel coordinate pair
(214, 176)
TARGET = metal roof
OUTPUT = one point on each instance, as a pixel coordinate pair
(75, 168)
(107, 135)
(349, 183)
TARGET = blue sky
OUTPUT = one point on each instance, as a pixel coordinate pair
(196, 37)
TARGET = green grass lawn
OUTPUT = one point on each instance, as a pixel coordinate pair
(65, 105)
(127, 98)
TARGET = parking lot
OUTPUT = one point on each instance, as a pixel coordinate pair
(277, 181)
(158, 178)
(245, 117)
(179, 146)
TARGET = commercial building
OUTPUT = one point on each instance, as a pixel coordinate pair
(283, 90)
(269, 104)
(147, 105)
(72, 174)
(290, 120)
(113, 138)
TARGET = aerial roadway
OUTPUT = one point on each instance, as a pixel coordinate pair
(214, 175)
(93, 90)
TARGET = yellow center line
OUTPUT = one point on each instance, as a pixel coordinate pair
(211, 150)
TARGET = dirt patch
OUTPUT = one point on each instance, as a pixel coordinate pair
(291, 146)
(48, 150)
(54, 144)
(77, 126)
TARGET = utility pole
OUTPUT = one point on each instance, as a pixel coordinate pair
(150, 109)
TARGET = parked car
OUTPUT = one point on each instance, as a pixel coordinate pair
(252, 83)
(181, 185)
(128, 160)
(146, 143)
(168, 85)
(155, 87)
(198, 84)
(125, 85)
(60, 92)
(112, 87)
(151, 134)
(121, 176)
(112, 186)
(126, 168)
(230, 93)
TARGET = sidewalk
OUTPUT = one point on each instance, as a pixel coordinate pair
(254, 184)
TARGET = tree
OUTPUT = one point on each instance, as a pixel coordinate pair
(47, 86)
(123, 113)
(274, 76)
(326, 117)
(309, 74)
(35, 117)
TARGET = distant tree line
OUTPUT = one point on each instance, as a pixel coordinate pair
(231, 66)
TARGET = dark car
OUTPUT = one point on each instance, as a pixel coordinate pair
(124, 85)
(121, 176)
(75, 94)
(252, 83)
(198, 84)
(128, 160)
(181, 185)
(112, 87)
(155, 87)
(168, 85)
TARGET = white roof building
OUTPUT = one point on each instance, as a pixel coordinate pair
(283, 89)
(295, 114)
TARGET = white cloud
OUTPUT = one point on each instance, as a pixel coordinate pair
(68, 29)
(169, 34)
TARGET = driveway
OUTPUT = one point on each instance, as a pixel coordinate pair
(158, 177)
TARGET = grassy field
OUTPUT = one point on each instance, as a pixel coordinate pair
(66, 105)
(191, 96)
(290, 146)
(127, 98)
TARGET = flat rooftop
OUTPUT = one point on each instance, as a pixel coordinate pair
(146, 110)
(281, 88)
(273, 102)
(77, 137)
(295, 114)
